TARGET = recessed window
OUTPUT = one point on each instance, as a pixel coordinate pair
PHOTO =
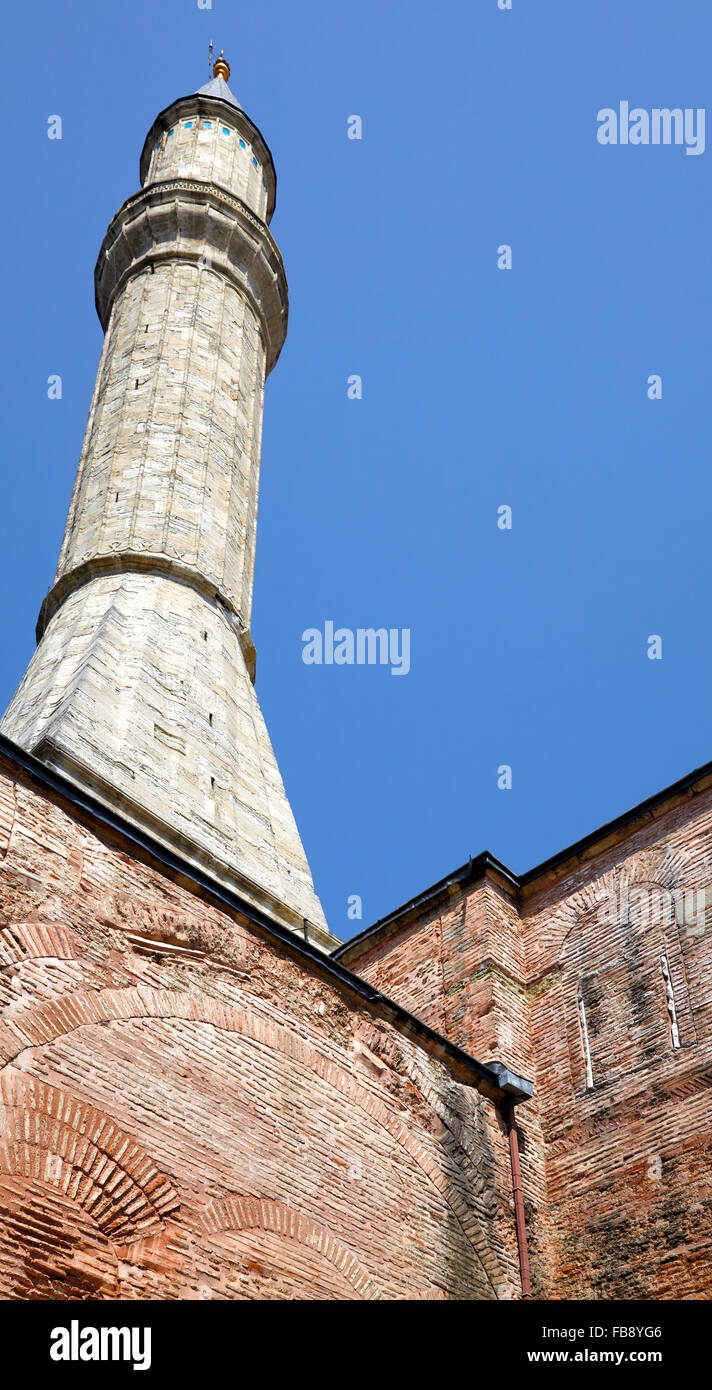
(207, 125)
(188, 125)
(169, 135)
(254, 161)
(243, 146)
(225, 130)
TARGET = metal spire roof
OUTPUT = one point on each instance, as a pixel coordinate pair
(217, 87)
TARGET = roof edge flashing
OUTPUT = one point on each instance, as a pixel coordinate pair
(482, 1076)
(484, 866)
(524, 886)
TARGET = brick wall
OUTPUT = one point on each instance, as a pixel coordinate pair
(628, 1168)
(189, 1109)
(587, 978)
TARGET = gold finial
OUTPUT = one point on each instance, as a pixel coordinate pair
(222, 67)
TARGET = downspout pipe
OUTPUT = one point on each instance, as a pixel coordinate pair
(519, 1221)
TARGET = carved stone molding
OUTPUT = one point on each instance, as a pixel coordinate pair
(128, 562)
(200, 223)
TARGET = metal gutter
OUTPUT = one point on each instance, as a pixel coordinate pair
(518, 1192)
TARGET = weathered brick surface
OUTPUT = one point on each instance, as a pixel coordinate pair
(616, 1160)
(188, 1110)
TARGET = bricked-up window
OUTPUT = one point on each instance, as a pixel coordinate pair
(627, 1000)
(626, 1026)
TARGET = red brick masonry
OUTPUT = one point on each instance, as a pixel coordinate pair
(615, 938)
(191, 1109)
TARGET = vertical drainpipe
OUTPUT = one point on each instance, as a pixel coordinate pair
(518, 1201)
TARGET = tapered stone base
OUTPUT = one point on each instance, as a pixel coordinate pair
(139, 691)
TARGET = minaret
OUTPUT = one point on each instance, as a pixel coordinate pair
(141, 685)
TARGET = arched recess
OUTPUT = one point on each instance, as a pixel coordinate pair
(55, 1020)
(250, 1213)
(49, 1137)
(624, 981)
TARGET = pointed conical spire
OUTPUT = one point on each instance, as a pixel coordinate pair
(217, 87)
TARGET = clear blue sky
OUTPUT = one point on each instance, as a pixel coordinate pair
(481, 388)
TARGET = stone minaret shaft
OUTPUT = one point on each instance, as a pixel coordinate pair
(141, 685)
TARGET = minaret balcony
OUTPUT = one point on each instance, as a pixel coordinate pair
(188, 220)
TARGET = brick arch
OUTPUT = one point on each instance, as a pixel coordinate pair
(612, 970)
(583, 911)
(48, 1136)
(75, 1011)
(653, 868)
(36, 941)
(264, 1214)
(50, 1248)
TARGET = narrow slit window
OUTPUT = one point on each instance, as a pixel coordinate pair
(671, 1005)
(585, 1043)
